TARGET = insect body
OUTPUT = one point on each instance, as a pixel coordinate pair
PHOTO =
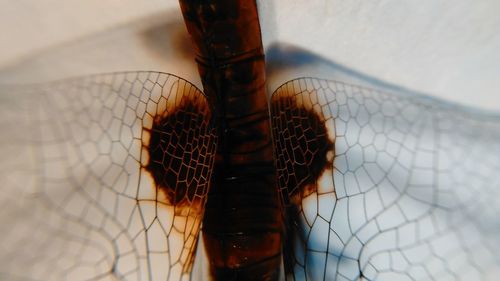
(114, 176)
(242, 223)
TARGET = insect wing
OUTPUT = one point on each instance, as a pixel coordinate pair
(104, 178)
(385, 186)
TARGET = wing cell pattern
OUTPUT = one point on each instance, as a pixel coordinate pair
(81, 189)
(413, 192)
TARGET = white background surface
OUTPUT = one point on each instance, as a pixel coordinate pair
(444, 48)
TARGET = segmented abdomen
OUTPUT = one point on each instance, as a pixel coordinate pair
(242, 223)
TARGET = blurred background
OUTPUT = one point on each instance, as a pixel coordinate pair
(447, 49)
(444, 49)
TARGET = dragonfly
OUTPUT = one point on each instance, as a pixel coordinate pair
(115, 175)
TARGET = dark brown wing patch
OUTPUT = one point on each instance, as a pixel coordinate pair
(303, 148)
(181, 153)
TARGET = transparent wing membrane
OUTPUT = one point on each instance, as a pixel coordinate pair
(103, 178)
(385, 186)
